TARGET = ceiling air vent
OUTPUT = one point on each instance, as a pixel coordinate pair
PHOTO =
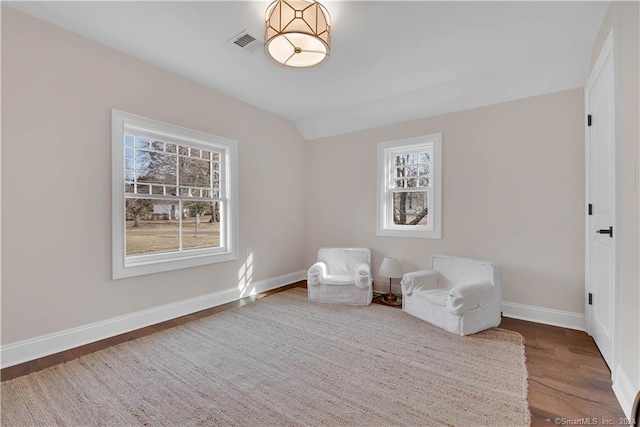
(247, 41)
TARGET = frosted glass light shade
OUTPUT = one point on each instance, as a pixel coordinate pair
(297, 33)
(390, 268)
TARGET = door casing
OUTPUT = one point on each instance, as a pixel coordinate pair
(609, 51)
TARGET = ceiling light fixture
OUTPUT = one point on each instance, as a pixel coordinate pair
(297, 33)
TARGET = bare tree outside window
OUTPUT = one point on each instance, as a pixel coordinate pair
(137, 208)
(185, 210)
(410, 200)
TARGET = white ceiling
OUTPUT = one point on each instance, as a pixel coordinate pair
(390, 61)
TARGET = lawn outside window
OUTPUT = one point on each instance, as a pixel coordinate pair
(174, 197)
(409, 187)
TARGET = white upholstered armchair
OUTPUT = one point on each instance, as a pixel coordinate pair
(341, 275)
(460, 295)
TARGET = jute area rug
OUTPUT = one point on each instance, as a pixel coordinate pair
(284, 361)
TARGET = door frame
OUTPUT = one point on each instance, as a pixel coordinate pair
(609, 51)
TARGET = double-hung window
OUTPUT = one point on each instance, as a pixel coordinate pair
(174, 196)
(409, 187)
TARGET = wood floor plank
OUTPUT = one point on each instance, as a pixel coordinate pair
(568, 378)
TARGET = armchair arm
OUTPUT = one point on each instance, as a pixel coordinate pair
(316, 273)
(423, 278)
(465, 297)
(363, 275)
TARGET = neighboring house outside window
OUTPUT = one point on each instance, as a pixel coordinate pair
(174, 197)
(409, 187)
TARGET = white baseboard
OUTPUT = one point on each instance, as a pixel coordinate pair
(34, 348)
(547, 316)
(624, 391)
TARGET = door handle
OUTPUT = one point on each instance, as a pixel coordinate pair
(608, 231)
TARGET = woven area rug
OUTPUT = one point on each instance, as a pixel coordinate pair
(281, 361)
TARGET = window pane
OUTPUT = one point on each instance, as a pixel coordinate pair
(142, 142)
(152, 226)
(400, 172)
(157, 145)
(410, 208)
(160, 168)
(128, 140)
(201, 225)
(195, 172)
(142, 161)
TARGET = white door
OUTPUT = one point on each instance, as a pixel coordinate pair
(600, 135)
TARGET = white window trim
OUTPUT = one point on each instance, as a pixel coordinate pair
(139, 265)
(385, 226)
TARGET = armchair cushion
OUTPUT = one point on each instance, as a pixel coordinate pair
(338, 279)
(434, 296)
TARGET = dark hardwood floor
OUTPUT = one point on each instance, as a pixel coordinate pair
(569, 382)
(568, 378)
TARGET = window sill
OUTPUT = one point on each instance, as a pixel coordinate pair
(132, 269)
(420, 234)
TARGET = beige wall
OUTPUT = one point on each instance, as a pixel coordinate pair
(625, 16)
(58, 90)
(513, 192)
(513, 185)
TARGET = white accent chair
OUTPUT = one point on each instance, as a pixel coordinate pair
(460, 295)
(341, 276)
